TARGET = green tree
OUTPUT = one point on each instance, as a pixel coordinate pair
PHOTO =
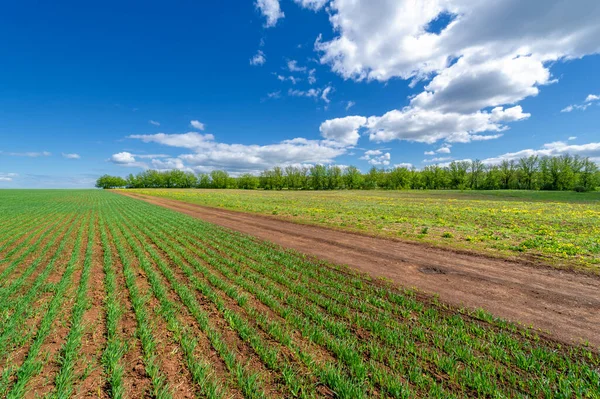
(219, 178)
(588, 175)
(507, 173)
(107, 182)
(335, 180)
(247, 181)
(527, 170)
(318, 177)
(458, 174)
(353, 179)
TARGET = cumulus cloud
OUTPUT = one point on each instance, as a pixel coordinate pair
(592, 97)
(258, 59)
(207, 154)
(314, 5)
(71, 156)
(376, 157)
(343, 130)
(445, 149)
(169, 164)
(390, 38)
(123, 158)
(293, 66)
(557, 148)
(197, 125)
(271, 10)
(472, 84)
(406, 165)
(155, 123)
(429, 126)
(490, 55)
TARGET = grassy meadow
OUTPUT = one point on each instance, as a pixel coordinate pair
(561, 229)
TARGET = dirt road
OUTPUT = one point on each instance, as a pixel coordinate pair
(562, 303)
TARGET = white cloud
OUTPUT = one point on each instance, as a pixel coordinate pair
(350, 104)
(429, 126)
(557, 148)
(304, 93)
(437, 160)
(343, 130)
(314, 5)
(376, 157)
(207, 154)
(190, 140)
(122, 158)
(292, 79)
(7, 177)
(155, 123)
(29, 154)
(491, 55)
(445, 149)
(447, 163)
(390, 38)
(406, 165)
(259, 58)
(150, 156)
(592, 97)
(589, 100)
(169, 164)
(274, 94)
(293, 66)
(271, 10)
(128, 159)
(568, 108)
(325, 93)
(478, 81)
(572, 138)
(197, 125)
(311, 77)
(71, 156)
(313, 93)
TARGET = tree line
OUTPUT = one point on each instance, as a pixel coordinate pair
(563, 172)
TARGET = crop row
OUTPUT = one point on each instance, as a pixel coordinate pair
(241, 317)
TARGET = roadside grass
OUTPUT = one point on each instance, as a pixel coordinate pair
(559, 229)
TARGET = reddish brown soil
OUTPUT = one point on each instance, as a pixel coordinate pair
(564, 304)
(136, 381)
(94, 339)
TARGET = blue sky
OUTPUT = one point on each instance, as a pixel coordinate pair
(114, 87)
